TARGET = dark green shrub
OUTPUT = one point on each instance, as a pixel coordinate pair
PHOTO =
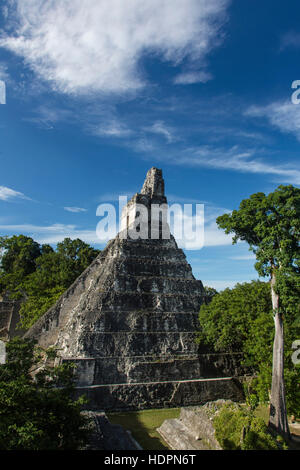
(238, 429)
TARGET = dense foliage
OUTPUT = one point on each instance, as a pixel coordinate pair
(238, 428)
(39, 274)
(240, 319)
(34, 413)
(270, 224)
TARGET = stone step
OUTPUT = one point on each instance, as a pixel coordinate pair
(156, 301)
(178, 436)
(145, 321)
(103, 344)
(160, 394)
(146, 311)
(147, 250)
(136, 332)
(135, 369)
(154, 284)
(160, 268)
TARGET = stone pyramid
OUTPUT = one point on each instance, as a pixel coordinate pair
(129, 320)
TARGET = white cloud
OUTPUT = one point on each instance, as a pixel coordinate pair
(188, 222)
(53, 233)
(6, 194)
(243, 257)
(47, 116)
(160, 128)
(183, 200)
(194, 233)
(290, 39)
(236, 160)
(113, 128)
(283, 114)
(84, 46)
(188, 78)
(75, 209)
(142, 144)
(213, 236)
(3, 72)
(114, 197)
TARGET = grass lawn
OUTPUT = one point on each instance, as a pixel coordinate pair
(143, 424)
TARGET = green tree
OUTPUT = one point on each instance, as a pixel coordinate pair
(77, 254)
(271, 226)
(55, 272)
(37, 409)
(38, 274)
(18, 255)
(240, 320)
(228, 322)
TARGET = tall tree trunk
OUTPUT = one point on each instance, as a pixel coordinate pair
(278, 420)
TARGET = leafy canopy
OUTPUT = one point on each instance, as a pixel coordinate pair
(240, 319)
(39, 274)
(34, 413)
(271, 226)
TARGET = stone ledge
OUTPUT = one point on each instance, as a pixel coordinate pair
(107, 436)
(178, 436)
(160, 394)
(194, 429)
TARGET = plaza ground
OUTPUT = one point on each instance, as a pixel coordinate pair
(143, 425)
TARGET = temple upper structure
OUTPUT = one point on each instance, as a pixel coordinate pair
(146, 214)
(154, 185)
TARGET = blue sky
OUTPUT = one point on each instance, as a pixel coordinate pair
(99, 91)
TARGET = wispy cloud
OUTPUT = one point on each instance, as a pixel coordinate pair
(3, 72)
(113, 128)
(114, 196)
(282, 114)
(142, 145)
(174, 198)
(46, 116)
(188, 78)
(57, 232)
(53, 233)
(96, 46)
(290, 39)
(160, 128)
(243, 257)
(8, 194)
(205, 230)
(235, 159)
(75, 209)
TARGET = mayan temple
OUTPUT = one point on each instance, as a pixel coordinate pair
(129, 321)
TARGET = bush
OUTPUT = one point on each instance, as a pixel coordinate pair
(38, 412)
(238, 429)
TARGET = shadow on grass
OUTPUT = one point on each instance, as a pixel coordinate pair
(143, 425)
